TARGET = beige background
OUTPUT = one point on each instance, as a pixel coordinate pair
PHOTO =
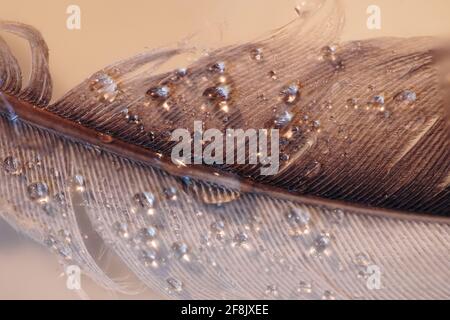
(112, 30)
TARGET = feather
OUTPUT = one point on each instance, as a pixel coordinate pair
(363, 182)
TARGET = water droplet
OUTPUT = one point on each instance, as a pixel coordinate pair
(218, 228)
(133, 119)
(284, 157)
(240, 239)
(38, 191)
(175, 284)
(171, 193)
(78, 182)
(407, 96)
(283, 119)
(291, 94)
(257, 54)
(299, 217)
(105, 86)
(218, 67)
(298, 220)
(149, 256)
(12, 166)
(330, 54)
(218, 93)
(181, 72)
(65, 235)
(122, 230)
(361, 260)
(337, 217)
(180, 249)
(378, 100)
(322, 242)
(159, 92)
(149, 233)
(144, 200)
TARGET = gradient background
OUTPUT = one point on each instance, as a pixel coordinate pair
(113, 30)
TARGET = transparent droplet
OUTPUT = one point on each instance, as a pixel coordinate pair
(181, 72)
(78, 183)
(284, 157)
(150, 257)
(283, 119)
(133, 119)
(180, 249)
(144, 200)
(218, 228)
(149, 233)
(291, 94)
(218, 67)
(322, 242)
(407, 96)
(38, 191)
(257, 54)
(65, 235)
(240, 239)
(171, 193)
(298, 217)
(330, 54)
(159, 92)
(122, 230)
(105, 86)
(218, 93)
(361, 260)
(12, 166)
(174, 284)
(337, 217)
(378, 100)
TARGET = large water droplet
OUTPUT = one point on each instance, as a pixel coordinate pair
(283, 119)
(38, 191)
(290, 94)
(159, 92)
(105, 86)
(180, 249)
(321, 244)
(406, 96)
